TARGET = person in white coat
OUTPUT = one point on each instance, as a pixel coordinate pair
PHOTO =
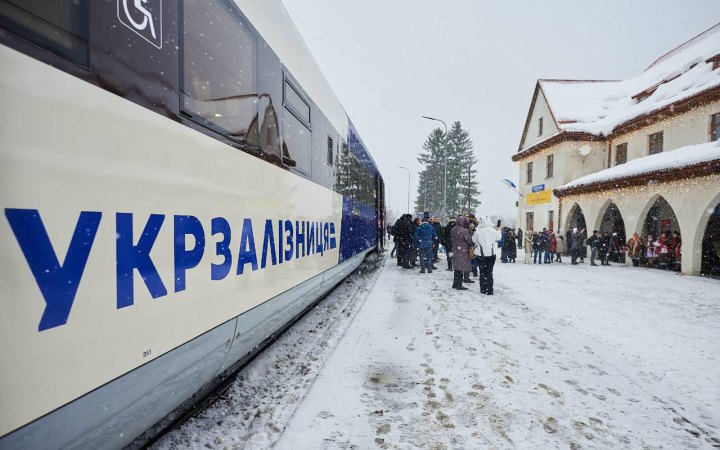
(486, 246)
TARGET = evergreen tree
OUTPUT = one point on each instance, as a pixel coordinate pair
(462, 191)
(464, 175)
(430, 186)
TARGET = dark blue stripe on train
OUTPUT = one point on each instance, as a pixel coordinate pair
(359, 228)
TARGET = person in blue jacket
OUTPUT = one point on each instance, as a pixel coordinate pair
(424, 239)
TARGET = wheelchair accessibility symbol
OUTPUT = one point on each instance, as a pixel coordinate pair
(144, 17)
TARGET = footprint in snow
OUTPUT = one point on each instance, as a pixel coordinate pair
(552, 392)
(614, 391)
(551, 425)
(574, 384)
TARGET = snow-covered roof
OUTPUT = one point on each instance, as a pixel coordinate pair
(598, 107)
(675, 159)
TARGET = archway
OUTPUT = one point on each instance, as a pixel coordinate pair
(661, 223)
(612, 223)
(575, 220)
(710, 265)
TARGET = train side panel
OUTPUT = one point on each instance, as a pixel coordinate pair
(113, 200)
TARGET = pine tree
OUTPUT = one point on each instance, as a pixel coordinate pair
(462, 191)
(462, 176)
(430, 186)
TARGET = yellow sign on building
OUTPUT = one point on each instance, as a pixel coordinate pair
(538, 198)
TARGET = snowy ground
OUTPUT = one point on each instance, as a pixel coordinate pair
(561, 357)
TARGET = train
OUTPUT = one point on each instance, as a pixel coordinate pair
(178, 184)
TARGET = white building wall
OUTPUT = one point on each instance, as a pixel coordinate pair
(689, 128)
(549, 128)
(569, 164)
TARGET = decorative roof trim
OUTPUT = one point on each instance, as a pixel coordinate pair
(702, 169)
(562, 136)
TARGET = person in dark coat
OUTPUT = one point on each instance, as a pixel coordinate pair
(415, 223)
(593, 242)
(512, 247)
(519, 236)
(397, 249)
(538, 244)
(568, 241)
(603, 246)
(435, 222)
(403, 236)
(461, 243)
(447, 242)
(423, 240)
(505, 237)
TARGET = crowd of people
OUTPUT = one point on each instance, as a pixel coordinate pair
(546, 247)
(470, 245)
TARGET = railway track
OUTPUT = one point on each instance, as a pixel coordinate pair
(292, 357)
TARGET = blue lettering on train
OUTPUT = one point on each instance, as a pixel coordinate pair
(130, 257)
(58, 283)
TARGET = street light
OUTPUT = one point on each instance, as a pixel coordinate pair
(408, 170)
(444, 164)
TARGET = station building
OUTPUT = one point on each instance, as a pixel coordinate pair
(633, 156)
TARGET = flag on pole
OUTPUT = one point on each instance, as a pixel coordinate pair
(511, 185)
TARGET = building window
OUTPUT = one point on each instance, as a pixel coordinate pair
(60, 26)
(549, 166)
(621, 154)
(715, 127)
(551, 220)
(219, 87)
(330, 150)
(540, 126)
(529, 172)
(655, 143)
(529, 221)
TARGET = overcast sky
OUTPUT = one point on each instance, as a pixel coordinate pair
(392, 61)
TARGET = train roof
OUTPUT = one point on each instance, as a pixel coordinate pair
(273, 22)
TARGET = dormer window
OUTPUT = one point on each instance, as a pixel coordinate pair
(540, 126)
(640, 96)
(715, 61)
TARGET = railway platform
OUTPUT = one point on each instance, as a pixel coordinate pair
(560, 357)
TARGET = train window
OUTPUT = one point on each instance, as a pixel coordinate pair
(353, 179)
(298, 143)
(296, 103)
(60, 26)
(219, 86)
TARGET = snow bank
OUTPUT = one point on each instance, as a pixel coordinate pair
(598, 107)
(675, 159)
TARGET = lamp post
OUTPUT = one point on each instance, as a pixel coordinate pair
(444, 165)
(408, 202)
